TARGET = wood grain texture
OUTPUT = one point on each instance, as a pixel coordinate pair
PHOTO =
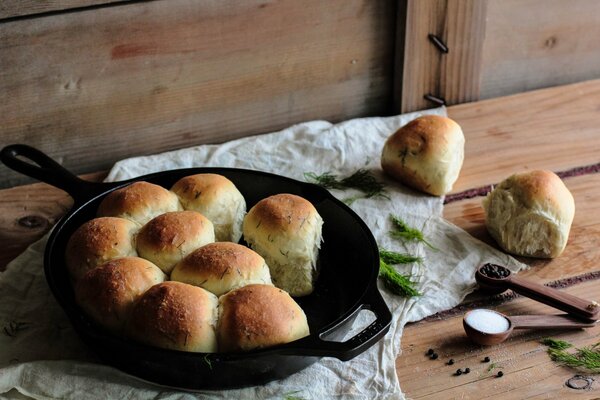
(453, 76)
(528, 370)
(14, 8)
(532, 44)
(92, 87)
(551, 128)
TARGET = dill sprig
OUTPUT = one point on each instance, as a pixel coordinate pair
(392, 257)
(397, 283)
(362, 180)
(585, 358)
(404, 232)
(292, 395)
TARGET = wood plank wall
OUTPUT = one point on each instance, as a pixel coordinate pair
(97, 85)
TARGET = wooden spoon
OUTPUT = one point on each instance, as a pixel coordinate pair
(573, 305)
(561, 321)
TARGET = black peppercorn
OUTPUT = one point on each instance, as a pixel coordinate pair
(487, 359)
(429, 352)
(451, 361)
(459, 372)
(434, 356)
(467, 370)
(500, 374)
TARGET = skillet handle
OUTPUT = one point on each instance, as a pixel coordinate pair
(317, 346)
(45, 169)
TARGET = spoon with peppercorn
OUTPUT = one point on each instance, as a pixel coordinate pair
(496, 279)
(488, 327)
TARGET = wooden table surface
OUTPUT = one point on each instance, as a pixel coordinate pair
(556, 129)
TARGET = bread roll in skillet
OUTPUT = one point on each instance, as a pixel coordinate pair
(530, 214)
(108, 292)
(97, 241)
(139, 202)
(222, 266)
(286, 230)
(167, 239)
(258, 316)
(175, 315)
(218, 199)
(426, 154)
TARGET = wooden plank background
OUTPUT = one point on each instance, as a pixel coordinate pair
(95, 86)
(22, 8)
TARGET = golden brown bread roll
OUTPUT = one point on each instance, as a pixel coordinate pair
(97, 241)
(530, 214)
(286, 230)
(217, 198)
(258, 316)
(222, 266)
(139, 202)
(108, 292)
(175, 315)
(167, 239)
(425, 154)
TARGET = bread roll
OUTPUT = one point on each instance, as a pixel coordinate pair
(175, 315)
(168, 238)
(425, 154)
(222, 266)
(108, 292)
(530, 214)
(217, 198)
(97, 241)
(139, 202)
(258, 316)
(286, 230)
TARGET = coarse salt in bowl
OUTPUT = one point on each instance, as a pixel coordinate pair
(487, 321)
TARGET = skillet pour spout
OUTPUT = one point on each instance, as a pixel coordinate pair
(347, 284)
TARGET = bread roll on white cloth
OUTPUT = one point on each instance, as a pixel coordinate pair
(168, 238)
(258, 316)
(221, 266)
(139, 202)
(286, 230)
(97, 241)
(218, 199)
(108, 292)
(175, 315)
(530, 214)
(425, 154)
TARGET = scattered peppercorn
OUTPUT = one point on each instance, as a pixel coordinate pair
(459, 372)
(487, 359)
(467, 370)
(434, 356)
(500, 374)
(451, 361)
(429, 352)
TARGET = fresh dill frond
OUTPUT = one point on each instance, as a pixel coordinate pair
(404, 232)
(392, 257)
(585, 358)
(362, 180)
(491, 367)
(397, 283)
(556, 344)
(292, 395)
(208, 362)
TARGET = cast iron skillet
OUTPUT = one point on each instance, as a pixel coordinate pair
(349, 261)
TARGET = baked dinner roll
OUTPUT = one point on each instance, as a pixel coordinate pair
(97, 241)
(258, 316)
(222, 266)
(166, 239)
(217, 198)
(139, 202)
(108, 292)
(286, 230)
(425, 154)
(175, 315)
(530, 214)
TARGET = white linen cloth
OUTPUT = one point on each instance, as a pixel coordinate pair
(43, 358)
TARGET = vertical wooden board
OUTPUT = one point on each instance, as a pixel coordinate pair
(533, 44)
(96, 86)
(453, 76)
(16, 8)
